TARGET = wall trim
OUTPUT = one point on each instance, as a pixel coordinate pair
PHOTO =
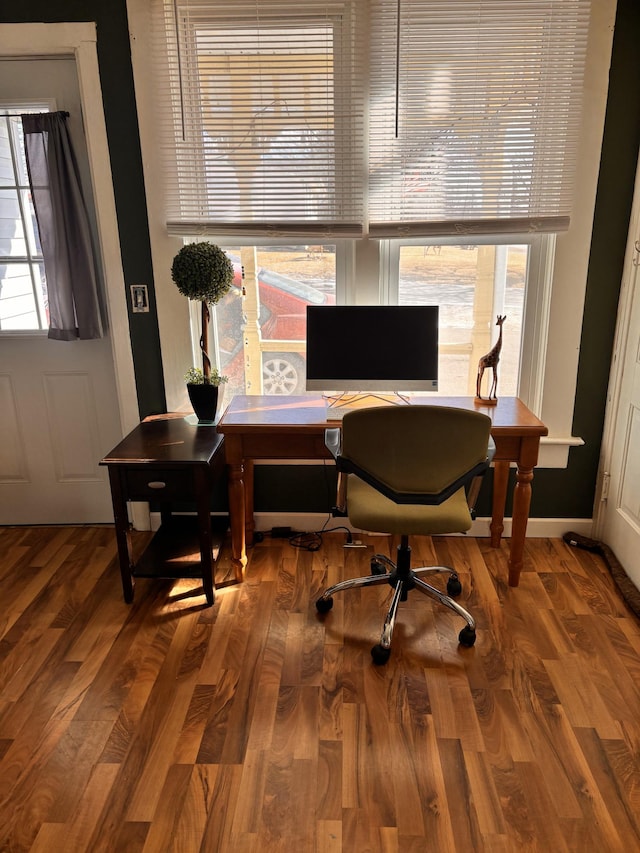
(309, 522)
(537, 528)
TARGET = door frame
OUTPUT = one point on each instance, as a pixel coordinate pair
(79, 40)
(621, 340)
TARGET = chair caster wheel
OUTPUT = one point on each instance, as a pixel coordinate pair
(454, 587)
(380, 655)
(377, 568)
(324, 605)
(467, 636)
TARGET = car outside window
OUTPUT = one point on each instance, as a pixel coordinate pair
(270, 359)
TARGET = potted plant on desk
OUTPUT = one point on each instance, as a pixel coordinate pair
(203, 273)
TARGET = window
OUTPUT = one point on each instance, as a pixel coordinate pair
(473, 115)
(472, 284)
(473, 120)
(266, 119)
(23, 288)
(368, 250)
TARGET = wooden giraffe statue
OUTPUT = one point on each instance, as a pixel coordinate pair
(491, 360)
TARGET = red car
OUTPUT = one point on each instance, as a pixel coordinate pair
(283, 305)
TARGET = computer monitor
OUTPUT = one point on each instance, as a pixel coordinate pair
(381, 348)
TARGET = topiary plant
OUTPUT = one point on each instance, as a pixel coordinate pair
(194, 376)
(203, 273)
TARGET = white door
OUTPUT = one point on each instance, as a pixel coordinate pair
(618, 518)
(59, 409)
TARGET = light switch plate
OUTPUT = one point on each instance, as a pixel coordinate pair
(139, 298)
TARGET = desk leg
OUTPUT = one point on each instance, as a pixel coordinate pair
(500, 482)
(203, 493)
(123, 534)
(521, 503)
(236, 519)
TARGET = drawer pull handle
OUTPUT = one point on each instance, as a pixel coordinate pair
(156, 484)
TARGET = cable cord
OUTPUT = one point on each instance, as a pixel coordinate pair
(312, 541)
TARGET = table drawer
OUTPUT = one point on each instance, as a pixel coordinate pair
(158, 483)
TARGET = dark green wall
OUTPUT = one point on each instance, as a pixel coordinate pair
(116, 75)
(557, 493)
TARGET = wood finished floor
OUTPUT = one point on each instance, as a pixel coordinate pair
(255, 726)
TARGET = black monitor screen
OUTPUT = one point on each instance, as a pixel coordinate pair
(372, 348)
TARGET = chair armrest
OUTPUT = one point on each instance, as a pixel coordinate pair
(476, 483)
(340, 509)
(333, 441)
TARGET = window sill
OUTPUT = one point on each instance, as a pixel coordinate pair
(554, 450)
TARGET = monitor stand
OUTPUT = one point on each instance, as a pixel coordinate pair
(364, 399)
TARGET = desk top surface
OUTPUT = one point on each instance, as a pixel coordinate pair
(310, 413)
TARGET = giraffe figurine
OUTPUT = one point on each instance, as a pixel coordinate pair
(491, 360)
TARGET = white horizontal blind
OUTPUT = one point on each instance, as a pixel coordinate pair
(262, 117)
(475, 111)
(473, 114)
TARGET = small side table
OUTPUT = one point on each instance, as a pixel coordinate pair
(166, 459)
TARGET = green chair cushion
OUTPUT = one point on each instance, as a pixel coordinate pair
(371, 510)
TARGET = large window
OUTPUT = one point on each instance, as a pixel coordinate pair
(472, 115)
(456, 124)
(260, 326)
(430, 130)
(23, 288)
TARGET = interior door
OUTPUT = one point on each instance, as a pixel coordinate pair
(59, 411)
(618, 521)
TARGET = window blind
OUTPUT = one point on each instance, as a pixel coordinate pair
(475, 114)
(387, 117)
(266, 127)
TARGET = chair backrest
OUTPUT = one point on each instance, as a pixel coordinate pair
(419, 449)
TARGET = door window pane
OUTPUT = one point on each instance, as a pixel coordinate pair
(19, 308)
(261, 323)
(23, 288)
(472, 284)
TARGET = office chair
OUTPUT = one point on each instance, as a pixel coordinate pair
(405, 470)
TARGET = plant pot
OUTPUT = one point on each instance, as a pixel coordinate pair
(204, 399)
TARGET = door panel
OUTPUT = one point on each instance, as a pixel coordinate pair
(59, 416)
(59, 410)
(619, 518)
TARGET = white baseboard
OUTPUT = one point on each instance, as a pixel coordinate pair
(301, 522)
(540, 528)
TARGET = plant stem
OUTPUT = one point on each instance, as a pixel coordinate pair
(204, 342)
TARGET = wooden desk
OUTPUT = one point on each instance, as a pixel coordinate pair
(293, 428)
(166, 459)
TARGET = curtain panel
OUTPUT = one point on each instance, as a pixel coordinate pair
(63, 226)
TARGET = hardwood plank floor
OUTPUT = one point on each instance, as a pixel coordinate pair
(255, 725)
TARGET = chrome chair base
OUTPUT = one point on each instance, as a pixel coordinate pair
(402, 580)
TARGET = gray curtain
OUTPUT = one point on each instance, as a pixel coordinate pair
(65, 236)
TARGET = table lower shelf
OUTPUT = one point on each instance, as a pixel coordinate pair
(174, 551)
